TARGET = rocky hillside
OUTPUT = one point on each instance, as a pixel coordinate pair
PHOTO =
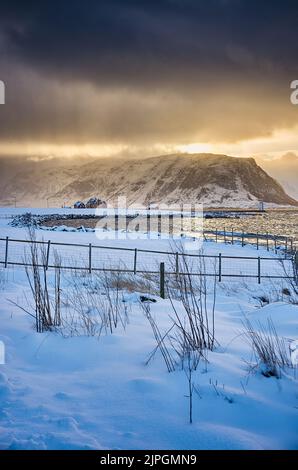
(214, 180)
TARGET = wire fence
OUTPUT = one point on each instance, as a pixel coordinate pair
(277, 243)
(89, 257)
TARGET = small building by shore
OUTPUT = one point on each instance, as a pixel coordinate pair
(92, 203)
(79, 205)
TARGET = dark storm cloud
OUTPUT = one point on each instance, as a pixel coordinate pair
(139, 42)
(173, 53)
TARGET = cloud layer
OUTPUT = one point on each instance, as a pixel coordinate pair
(146, 72)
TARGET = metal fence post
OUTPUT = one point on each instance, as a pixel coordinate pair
(48, 254)
(296, 267)
(259, 270)
(192, 218)
(257, 241)
(162, 280)
(232, 236)
(219, 267)
(6, 253)
(177, 262)
(171, 225)
(159, 223)
(90, 257)
(225, 239)
(216, 235)
(127, 220)
(275, 245)
(181, 221)
(135, 261)
(242, 239)
(267, 241)
(117, 225)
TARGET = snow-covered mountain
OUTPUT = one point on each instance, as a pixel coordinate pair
(34, 182)
(214, 180)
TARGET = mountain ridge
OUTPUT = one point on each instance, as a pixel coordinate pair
(212, 179)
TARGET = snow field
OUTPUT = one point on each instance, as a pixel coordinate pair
(86, 392)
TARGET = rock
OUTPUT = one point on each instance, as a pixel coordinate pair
(144, 298)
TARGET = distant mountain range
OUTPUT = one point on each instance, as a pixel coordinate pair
(214, 180)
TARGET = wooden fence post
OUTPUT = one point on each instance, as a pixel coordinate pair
(242, 239)
(6, 253)
(259, 270)
(48, 254)
(219, 267)
(267, 241)
(232, 236)
(90, 258)
(162, 280)
(135, 261)
(257, 241)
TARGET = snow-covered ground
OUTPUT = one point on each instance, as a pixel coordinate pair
(88, 392)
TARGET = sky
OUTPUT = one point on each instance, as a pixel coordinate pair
(153, 76)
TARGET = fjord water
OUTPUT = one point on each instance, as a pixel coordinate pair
(275, 222)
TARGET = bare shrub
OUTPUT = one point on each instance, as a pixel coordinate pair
(290, 270)
(113, 304)
(192, 330)
(161, 339)
(129, 282)
(220, 391)
(197, 325)
(93, 305)
(271, 352)
(192, 361)
(47, 307)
